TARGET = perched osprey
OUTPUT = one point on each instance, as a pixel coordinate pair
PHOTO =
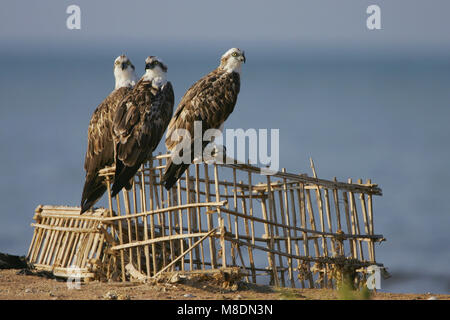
(210, 100)
(100, 149)
(140, 121)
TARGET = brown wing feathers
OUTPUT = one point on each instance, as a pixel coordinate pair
(100, 149)
(210, 100)
(141, 119)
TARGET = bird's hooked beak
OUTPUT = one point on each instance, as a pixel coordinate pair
(243, 57)
(124, 65)
(150, 65)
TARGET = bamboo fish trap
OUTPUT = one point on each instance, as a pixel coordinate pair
(283, 229)
(65, 242)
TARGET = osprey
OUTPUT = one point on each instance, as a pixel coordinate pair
(140, 121)
(210, 100)
(100, 149)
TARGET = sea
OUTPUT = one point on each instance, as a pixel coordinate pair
(359, 114)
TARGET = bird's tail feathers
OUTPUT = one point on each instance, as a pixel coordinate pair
(173, 173)
(93, 190)
(123, 177)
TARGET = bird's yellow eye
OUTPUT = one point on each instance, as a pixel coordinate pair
(128, 62)
(234, 54)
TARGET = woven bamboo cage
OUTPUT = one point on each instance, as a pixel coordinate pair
(65, 242)
(283, 229)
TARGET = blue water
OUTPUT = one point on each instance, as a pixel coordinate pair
(380, 116)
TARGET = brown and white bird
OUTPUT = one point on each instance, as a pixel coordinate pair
(140, 121)
(100, 148)
(210, 100)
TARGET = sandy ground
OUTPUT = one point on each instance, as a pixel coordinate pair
(23, 287)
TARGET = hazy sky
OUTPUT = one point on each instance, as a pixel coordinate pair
(405, 23)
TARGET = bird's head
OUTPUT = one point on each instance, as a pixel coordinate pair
(155, 64)
(232, 60)
(155, 71)
(124, 72)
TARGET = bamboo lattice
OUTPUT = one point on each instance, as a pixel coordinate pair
(284, 229)
(65, 242)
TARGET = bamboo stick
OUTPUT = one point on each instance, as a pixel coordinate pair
(370, 217)
(126, 201)
(87, 245)
(212, 245)
(301, 197)
(64, 229)
(189, 215)
(122, 257)
(199, 218)
(74, 257)
(312, 221)
(39, 239)
(241, 258)
(371, 189)
(53, 252)
(329, 221)
(144, 217)
(71, 262)
(337, 207)
(355, 221)
(69, 216)
(153, 204)
(158, 240)
(248, 234)
(353, 246)
(235, 206)
(45, 245)
(180, 219)
(50, 242)
(271, 233)
(136, 224)
(159, 200)
(277, 244)
(284, 205)
(252, 225)
(321, 211)
(322, 221)
(162, 216)
(317, 233)
(309, 259)
(195, 225)
(33, 245)
(63, 248)
(58, 243)
(92, 248)
(66, 258)
(366, 221)
(230, 228)
(250, 195)
(171, 202)
(35, 232)
(294, 220)
(110, 202)
(221, 220)
(185, 252)
(110, 220)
